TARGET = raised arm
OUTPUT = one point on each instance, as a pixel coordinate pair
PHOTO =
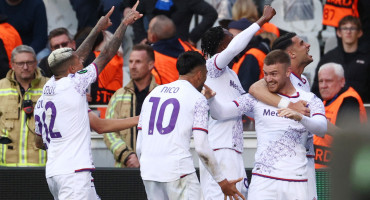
(111, 125)
(240, 42)
(110, 48)
(85, 48)
(259, 91)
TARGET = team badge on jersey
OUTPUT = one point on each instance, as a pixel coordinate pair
(82, 71)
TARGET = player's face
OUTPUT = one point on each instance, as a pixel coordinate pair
(300, 50)
(61, 41)
(276, 76)
(24, 66)
(349, 33)
(139, 65)
(329, 83)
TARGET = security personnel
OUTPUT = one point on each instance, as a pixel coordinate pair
(167, 48)
(343, 108)
(19, 92)
(126, 102)
(335, 10)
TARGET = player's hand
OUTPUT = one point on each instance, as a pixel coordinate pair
(289, 113)
(301, 107)
(229, 189)
(268, 13)
(208, 92)
(132, 15)
(132, 161)
(104, 21)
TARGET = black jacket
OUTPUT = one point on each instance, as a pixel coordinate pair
(356, 70)
(181, 13)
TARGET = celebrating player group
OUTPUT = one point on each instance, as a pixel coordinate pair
(207, 103)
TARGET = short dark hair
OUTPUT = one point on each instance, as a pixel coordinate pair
(350, 19)
(58, 32)
(211, 40)
(277, 56)
(144, 47)
(189, 60)
(284, 41)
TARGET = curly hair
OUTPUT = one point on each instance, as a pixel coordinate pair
(211, 40)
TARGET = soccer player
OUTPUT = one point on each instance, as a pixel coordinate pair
(280, 170)
(63, 120)
(170, 115)
(298, 51)
(226, 136)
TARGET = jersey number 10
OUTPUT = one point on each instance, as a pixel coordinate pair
(159, 125)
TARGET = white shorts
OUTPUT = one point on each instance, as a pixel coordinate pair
(311, 175)
(184, 188)
(76, 186)
(271, 189)
(232, 166)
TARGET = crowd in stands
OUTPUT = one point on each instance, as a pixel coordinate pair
(340, 77)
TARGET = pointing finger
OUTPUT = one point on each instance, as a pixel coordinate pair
(110, 12)
(135, 6)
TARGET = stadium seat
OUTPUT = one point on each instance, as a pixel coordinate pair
(300, 16)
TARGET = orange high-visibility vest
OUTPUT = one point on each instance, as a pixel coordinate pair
(323, 144)
(258, 54)
(110, 79)
(165, 70)
(335, 10)
(10, 37)
(269, 27)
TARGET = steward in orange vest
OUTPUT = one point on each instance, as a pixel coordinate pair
(249, 67)
(335, 10)
(166, 53)
(109, 80)
(346, 105)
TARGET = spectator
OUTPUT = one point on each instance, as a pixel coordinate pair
(344, 109)
(127, 102)
(247, 9)
(58, 38)
(62, 117)
(181, 12)
(20, 90)
(249, 64)
(167, 48)
(29, 18)
(10, 37)
(87, 12)
(355, 61)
